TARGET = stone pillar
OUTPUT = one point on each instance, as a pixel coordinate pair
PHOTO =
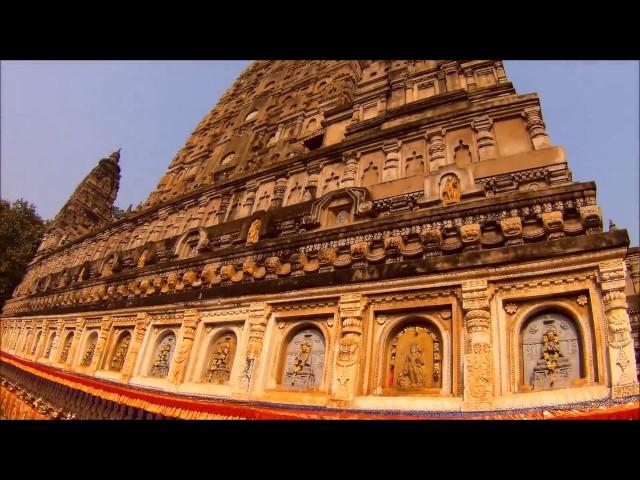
(142, 323)
(391, 169)
(250, 197)
(258, 315)
(478, 370)
(187, 334)
(484, 136)
(437, 154)
(398, 92)
(500, 73)
(224, 206)
(350, 160)
(536, 128)
(345, 378)
(105, 327)
(80, 323)
(622, 362)
(450, 70)
(312, 183)
(278, 192)
(42, 342)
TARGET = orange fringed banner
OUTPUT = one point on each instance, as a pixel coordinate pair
(187, 408)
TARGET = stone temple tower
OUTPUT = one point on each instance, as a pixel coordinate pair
(336, 238)
(89, 207)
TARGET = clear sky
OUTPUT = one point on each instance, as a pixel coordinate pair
(60, 117)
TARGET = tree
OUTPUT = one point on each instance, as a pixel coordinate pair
(21, 230)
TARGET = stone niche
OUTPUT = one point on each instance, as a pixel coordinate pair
(220, 357)
(303, 361)
(118, 353)
(551, 355)
(413, 359)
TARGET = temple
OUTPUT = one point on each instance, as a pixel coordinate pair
(336, 239)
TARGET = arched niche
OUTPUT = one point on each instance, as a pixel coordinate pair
(551, 351)
(110, 265)
(302, 362)
(220, 357)
(163, 355)
(66, 346)
(50, 344)
(27, 341)
(116, 359)
(89, 349)
(191, 243)
(413, 359)
(34, 346)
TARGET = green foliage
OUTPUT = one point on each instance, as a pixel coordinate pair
(21, 230)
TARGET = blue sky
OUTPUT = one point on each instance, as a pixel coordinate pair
(60, 117)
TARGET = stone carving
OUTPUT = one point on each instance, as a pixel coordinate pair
(414, 359)
(65, 349)
(470, 233)
(326, 256)
(551, 352)
(552, 221)
(511, 227)
(117, 362)
(304, 360)
(393, 245)
(485, 139)
(359, 250)
(87, 358)
(437, 150)
(221, 361)
(451, 190)
(536, 128)
(591, 216)
(162, 361)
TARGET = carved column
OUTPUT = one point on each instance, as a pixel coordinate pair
(478, 370)
(43, 341)
(187, 334)
(250, 197)
(351, 308)
(312, 183)
(391, 169)
(142, 323)
(80, 323)
(224, 205)
(500, 73)
(484, 136)
(278, 192)
(536, 128)
(437, 153)
(258, 315)
(398, 92)
(622, 362)
(350, 170)
(105, 327)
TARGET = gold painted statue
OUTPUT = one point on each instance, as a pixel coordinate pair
(254, 231)
(451, 192)
(551, 349)
(412, 372)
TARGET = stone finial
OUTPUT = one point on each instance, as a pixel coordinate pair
(115, 155)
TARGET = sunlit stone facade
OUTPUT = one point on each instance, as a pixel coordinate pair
(358, 238)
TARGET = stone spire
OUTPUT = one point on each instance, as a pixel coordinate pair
(89, 207)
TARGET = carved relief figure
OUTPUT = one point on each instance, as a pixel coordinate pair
(65, 349)
(414, 360)
(162, 362)
(551, 352)
(304, 360)
(88, 355)
(413, 369)
(143, 258)
(451, 190)
(120, 353)
(221, 361)
(253, 234)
